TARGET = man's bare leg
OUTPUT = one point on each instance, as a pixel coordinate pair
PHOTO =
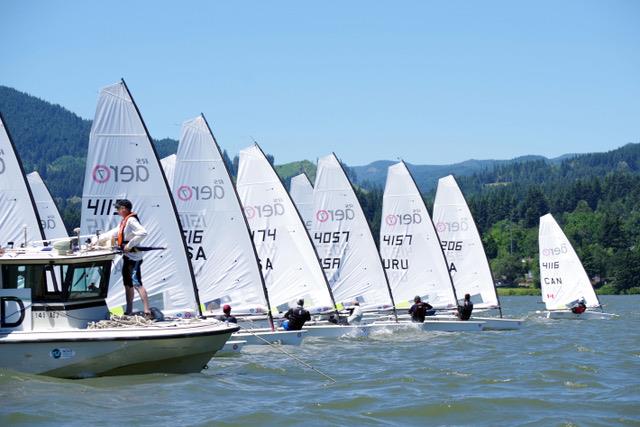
(128, 291)
(144, 297)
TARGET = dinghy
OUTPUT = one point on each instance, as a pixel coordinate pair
(412, 254)
(563, 280)
(50, 218)
(462, 245)
(220, 248)
(287, 258)
(49, 295)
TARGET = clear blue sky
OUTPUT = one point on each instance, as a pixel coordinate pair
(431, 82)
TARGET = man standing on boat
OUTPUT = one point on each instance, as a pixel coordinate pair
(127, 236)
(464, 311)
(296, 317)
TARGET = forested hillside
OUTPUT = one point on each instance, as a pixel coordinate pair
(595, 197)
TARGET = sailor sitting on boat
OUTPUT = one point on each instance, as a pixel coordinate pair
(226, 316)
(580, 307)
(296, 317)
(419, 310)
(356, 314)
(127, 236)
(465, 310)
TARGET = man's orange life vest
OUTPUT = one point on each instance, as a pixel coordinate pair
(123, 224)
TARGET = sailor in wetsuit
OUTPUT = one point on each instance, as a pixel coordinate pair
(580, 307)
(419, 310)
(296, 317)
(227, 317)
(464, 311)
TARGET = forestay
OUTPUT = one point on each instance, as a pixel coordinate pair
(18, 213)
(463, 248)
(344, 242)
(122, 163)
(50, 218)
(409, 245)
(169, 167)
(563, 279)
(289, 263)
(302, 194)
(220, 248)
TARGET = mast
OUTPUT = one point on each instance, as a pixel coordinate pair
(173, 203)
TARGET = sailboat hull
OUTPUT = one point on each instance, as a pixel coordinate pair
(267, 336)
(124, 351)
(232, 346)
(587, 315)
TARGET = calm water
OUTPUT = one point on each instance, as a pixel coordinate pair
(548, 373)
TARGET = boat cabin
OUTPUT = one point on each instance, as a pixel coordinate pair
(42, 288)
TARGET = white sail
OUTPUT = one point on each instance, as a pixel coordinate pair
(562, 277)
(169, 166)
(344, 242)
(17, 210)
(289, 263)
(122, 164)
(50, 218)
(221, 252)
(462, 245)
(302, 194)
(409, 245)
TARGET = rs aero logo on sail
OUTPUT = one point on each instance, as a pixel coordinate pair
(200, 192)
(121, 173)
(346, 214)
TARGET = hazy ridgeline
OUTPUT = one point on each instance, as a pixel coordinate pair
(595, 197)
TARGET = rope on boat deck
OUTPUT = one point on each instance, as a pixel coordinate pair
(120, 322)
(296, 358)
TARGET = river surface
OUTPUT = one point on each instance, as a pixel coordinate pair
(549, 373)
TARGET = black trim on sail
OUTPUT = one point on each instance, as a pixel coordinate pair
(173, 203)
(386, 279)
(295, 208)
(246, 223)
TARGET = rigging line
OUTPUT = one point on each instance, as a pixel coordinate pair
(290, 355)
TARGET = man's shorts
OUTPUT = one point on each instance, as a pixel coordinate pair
(131, 275)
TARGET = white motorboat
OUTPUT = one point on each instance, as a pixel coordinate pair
(49, 301)
(564, 283)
